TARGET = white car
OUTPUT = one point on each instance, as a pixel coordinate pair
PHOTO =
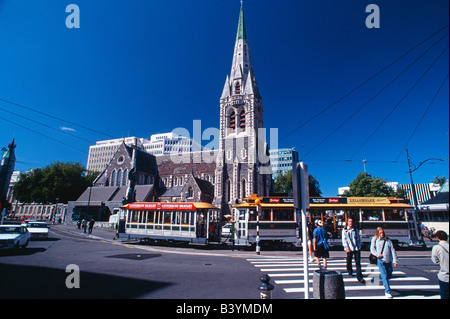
(13, 237)
(37, 230)
(226, 230)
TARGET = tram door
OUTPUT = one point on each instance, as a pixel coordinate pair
(121, 221)
(202, 220)
(241, 218)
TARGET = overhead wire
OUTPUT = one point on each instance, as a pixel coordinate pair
(47, 126)
(423, 116)
(39, 133)
(397, 105)
(363, 83)
(56, 118)
(373, 97)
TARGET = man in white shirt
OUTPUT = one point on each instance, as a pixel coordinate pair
(351, 240)
(439, 255)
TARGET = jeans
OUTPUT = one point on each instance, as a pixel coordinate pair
(443, 289)
(385, 274)
(357, 255)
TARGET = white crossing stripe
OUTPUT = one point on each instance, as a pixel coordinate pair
(289, 271)
(350, 280)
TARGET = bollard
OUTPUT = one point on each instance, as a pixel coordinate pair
(328, 285)
(265, 289)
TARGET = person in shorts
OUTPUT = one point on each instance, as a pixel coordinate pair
(320, 244)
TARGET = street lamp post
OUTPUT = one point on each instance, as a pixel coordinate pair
(413, 188)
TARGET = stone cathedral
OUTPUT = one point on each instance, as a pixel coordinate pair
(242, 163)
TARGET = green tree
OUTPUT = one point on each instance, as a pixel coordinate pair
(364, 185)
(439, 180)
(63, 180)
(283, 184)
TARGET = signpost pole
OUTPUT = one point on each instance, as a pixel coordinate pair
(301, 202)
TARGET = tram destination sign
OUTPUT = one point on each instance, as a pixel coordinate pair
(162, 206)
(328, 200)
(277, 200)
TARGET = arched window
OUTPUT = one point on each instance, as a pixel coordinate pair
(232, 121)
(243, 190)
(190, 192)
(237, 88)
(228, 188)
(125, 177)
(242, 120)
(119, 178)
(113, 177)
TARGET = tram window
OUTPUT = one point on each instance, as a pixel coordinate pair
(141, 216)
(192, 218)
(158, 217)
(394, 214)
(176, 220)
(265, 215)
(150, 216)
(242, 214)
(134, 216)
(185, 218)
(315, 215)
(167, 217)
(371, 215)
(279, 215)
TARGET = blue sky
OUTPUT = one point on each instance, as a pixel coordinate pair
(140, 67)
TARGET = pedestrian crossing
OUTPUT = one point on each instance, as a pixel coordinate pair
(287, 274)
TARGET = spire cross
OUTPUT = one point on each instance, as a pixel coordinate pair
(242, 2)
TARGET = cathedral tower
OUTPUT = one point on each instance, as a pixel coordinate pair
(243, 166)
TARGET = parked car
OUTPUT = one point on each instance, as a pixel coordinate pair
(13, 237)
(226, 230)
(37, 230)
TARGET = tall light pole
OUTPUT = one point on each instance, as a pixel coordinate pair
(410, 171)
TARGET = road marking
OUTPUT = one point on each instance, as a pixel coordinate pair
(290, 272)
(349, 280)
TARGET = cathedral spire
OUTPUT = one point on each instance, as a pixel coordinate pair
(242, 73)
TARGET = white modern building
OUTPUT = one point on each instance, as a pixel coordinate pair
(282, 160)
(170, 143)
(102, 152)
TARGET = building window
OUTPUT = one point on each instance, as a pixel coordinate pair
(119, 178)
(242, 120)
(232, 121)
(237, 88)
(243, 190)
(125, 177)
(190, 192)
(113, 177)
(228, 194)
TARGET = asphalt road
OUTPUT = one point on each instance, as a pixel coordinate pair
(112, 269)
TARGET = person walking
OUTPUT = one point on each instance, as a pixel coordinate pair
(91, 225)
(320, 244)
(84, 225)
(439, 256)
(351, 241)
(382, 247)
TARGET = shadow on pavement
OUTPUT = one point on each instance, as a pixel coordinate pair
(33, 282)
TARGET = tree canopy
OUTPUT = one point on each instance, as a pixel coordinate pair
(283, 184)
(63, 180)
(364, 185)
